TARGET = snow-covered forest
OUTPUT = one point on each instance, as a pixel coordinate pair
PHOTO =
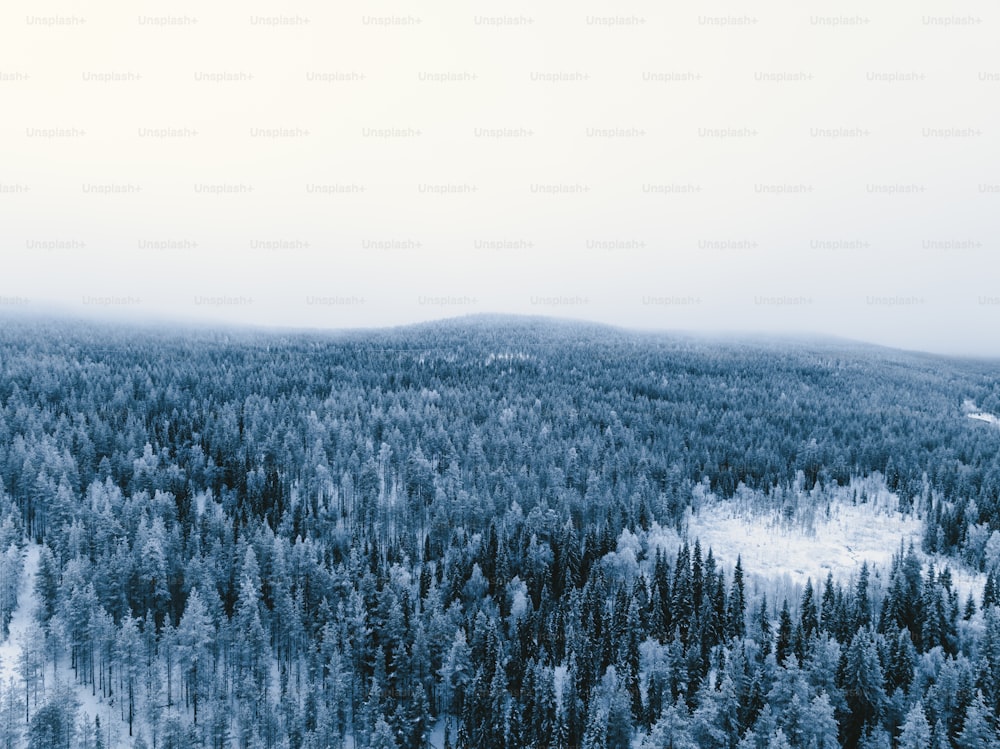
(488, 533)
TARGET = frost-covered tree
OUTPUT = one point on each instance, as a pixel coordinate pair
(672, 729)
(977, 729)
(53, 724)
(194, 639)
(915, 732)
(819, 727)
(863, 679)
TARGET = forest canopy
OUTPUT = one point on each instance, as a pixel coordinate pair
(257, 538)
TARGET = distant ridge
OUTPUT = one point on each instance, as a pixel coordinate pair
(533, 330)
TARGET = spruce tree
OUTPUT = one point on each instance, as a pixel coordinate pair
(977, 728)
(783, 644)
(915, 732)
(863, 679)
(737, 602)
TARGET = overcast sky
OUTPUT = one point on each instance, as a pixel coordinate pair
(828, 168)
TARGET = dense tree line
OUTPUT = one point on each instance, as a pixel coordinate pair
(254, 539)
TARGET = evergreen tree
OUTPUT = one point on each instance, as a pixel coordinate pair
(916, 731)
(809, 617)
(783, 644)
(194, 637)
(671, 729)
(862, 603)
(455, 673)
(764, 627)
(53, 724)
(863, 679)
(736, 609)
(977, 729)
(11, 717)
(819, 725)
(382, 736)
(828, 606)
(939, 736)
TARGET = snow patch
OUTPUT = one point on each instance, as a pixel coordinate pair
(983, 416)
(840, 537)
(973, 412)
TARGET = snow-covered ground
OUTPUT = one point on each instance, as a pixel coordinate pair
(114, 730)
(10, 649)
(974, 412)
(833, 532)
(842, 536)
(983, 416)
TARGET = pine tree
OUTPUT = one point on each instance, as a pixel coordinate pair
(990, 591)
(819, 724)
(595, 735)
(53, 724)
(128, 649)
(862, 603)
(543, 706)
(697, 578)
(46, 585)
(783, 644)
(672, 729)
(789, 697)
(456, 673)
(764, 628)
(977, 730)
(11, 717)
(809, 618)
(382, 736)
(737, 602)
(715, 722)
(98, 733)
(777, 740)
(498, 717)
(619, 734)
(863, 679)
(683, 596)
(939, 736)
(31, 665)
(902, 657)
(828, 607)
(916, 731)
(194, 636)
(876, 737)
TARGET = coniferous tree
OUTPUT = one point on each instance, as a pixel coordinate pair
(863, 680)
(194, 637)
(819, 724)
(915, 732)
(737, 602)
(53, 724)
(783, 643)
(977, 729)
(808, 617)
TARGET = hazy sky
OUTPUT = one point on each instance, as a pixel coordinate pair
(741, 166)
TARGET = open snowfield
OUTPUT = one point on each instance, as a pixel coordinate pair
(842, 537)
(835, 532)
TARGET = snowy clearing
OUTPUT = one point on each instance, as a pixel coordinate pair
(983, 416)
(974, 412)
(843, 537)
(832, 532)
